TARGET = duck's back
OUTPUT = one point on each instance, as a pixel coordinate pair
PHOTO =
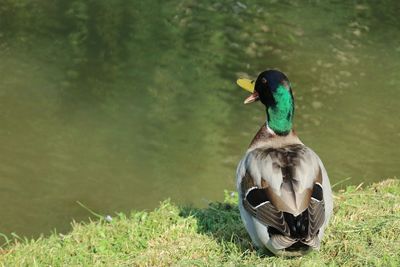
(285, 195)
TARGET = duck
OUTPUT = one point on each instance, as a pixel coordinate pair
(285, 197)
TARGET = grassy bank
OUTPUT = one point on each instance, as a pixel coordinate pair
(364, 232)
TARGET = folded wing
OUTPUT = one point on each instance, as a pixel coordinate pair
(281, 188)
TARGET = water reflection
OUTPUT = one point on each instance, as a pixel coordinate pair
(122, 106)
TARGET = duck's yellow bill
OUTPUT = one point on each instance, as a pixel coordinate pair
(249, 85)
(246, 84)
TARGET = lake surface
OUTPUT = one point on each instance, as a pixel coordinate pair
(121, 105)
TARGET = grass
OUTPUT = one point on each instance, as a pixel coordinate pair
(364, 231)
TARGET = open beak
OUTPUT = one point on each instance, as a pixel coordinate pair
(248, 85)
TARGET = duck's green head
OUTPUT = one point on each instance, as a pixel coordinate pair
(272, 88)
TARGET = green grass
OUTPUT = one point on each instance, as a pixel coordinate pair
(364, 231)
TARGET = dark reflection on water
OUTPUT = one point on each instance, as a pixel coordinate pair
(120, 105)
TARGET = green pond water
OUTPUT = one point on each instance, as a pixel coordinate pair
(122, 104)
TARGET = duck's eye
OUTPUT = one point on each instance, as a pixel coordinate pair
(263, 80)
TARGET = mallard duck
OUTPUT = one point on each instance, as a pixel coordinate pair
(285, 197)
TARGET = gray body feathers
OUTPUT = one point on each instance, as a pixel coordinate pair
(285, 198)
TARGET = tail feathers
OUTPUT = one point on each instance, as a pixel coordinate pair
(303, 232)
(313, 242)
(304, 228)
(282, 241)
(285, 242)
(298, 225)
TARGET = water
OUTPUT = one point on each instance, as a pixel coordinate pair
(121, 105)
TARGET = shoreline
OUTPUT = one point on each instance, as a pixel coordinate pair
(364, 230)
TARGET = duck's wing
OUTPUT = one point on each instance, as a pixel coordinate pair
(279, 184)
(316, 210)
(258, 203)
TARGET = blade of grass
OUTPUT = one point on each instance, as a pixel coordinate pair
(89, 210)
